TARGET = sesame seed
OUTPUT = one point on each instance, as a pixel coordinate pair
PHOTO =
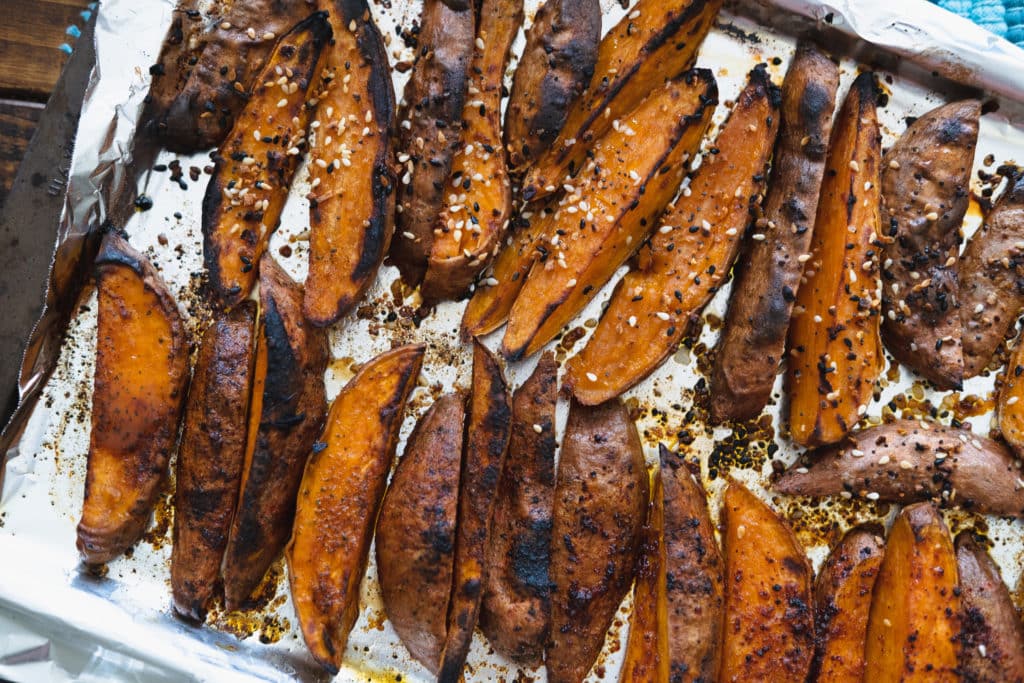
(550, 188)
(803, 258)
(248, 161)
(665, 229)
(802, 470)
(906, 465)
(282, 103)
(704, 224)
(480, 44)
(269, 35)
(408, 235)
(857, 453)
(251, 32)
(854, 166)
(571, 283)
(352, 26)
(894, 164)
(759, 236)
(731, 232)
(1013, 399)
(874, 496)
(662, 315)
(225, 25)
(632, 321)
(592, 377)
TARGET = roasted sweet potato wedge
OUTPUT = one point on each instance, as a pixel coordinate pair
(211, 455)
(488, 429)
(285, 416)
(992, 634)
(657, 40)
(476, 215)
(352, 201)
(1009, 408)
(631, 174)
(556, 66)
(925, 191)
(138, 394)
(992, 278)
(340, 495)
(429, 132)
(908, 461)
(686, 258)
(768, 272)
(253, 167)
(600, 507)
(768, 630)
(416, 531)
(914, 621)
(516, 607)
(834, 344)
(842, 602)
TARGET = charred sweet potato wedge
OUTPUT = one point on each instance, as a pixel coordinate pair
(476, 215)
(142, 372)
(914, 621)
(631, 175)
(686, 258)
(834, 344)
(925, 192)
(1009, 407)
(657, 40)
(254, 166)
(556, 66)
(842, 602)
(992, 634)
(768, 272)
(416, 531)
(352, 201)
(768, 630)
(210, 458)
(992, 278)
(908, 461)
(488, 429)
(516, 607)
(340, 496)
(600, 506)
(286, 415)
(429, 129)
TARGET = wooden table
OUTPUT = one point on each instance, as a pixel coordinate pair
(36, 37)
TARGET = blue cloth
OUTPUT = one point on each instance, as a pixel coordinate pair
(1002, 17)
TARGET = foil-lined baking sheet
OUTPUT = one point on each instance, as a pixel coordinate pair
(58, 622)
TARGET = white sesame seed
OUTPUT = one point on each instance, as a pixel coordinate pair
(1013, 399)
(269, 35)
(758, 236)
(282, 103)
(592, 377)
(225, 25)
(857, 453)
(632, 321)
(537, 428)
(662, 315)
(251, 32)
(480, 44)
(894, 164)
(932, 216)
(854, 166)
(873, 496)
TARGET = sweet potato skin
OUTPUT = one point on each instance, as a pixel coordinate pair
(600, 504)
(556, 66)
(768, 272)
(992, 278)
(340, 496)
(516, 607)
(285, 417)
(992, 635)
(768, 630)
(139, 388)
(925, 192)
(905, 461)
(415, 542)
(914, 621)
(352, 207)
(211, 455)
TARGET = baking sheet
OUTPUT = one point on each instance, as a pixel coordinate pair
(122, 624)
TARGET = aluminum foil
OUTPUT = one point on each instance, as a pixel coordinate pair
(58, 622)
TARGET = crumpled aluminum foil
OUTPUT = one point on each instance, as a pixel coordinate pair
(60, 623)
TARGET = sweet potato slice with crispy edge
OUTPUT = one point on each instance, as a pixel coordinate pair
(416, 531)
(516, 607)
(476, 215)
(429, 132)
(632, 173)
(686, 258)
(992, 278)
(842, 602)
(142, 372)
(657, 40)
(1010, 407)
(834, 344)
(340, 496)
(352, 201)
(992, 635)
(768, 630)
(488, 429)
(285, 416)
(210, 458)
(914, 621)
(254, 166)
(768, 271)
(600, 505)
(908, 461)
(926, 179)
(695, 591)
(556, 66)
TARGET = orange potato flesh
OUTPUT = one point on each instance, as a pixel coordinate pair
(689, 255)
(835, 352)
(1010, 408)
(633, 172)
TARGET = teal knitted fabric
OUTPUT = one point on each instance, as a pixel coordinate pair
(1002, 17)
